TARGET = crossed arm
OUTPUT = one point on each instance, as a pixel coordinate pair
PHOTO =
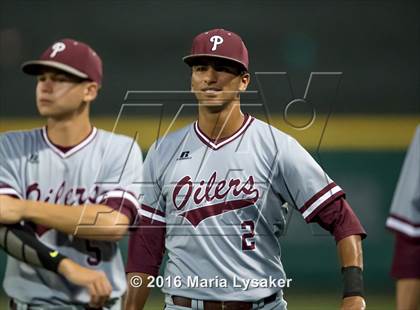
(98, 222)
(21, 243)
(94, 221)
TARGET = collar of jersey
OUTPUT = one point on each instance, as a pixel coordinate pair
(74, 149)
(216, 144)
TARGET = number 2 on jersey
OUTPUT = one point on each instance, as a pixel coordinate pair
(248, 240)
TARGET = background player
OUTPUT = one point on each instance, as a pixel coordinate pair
(404, 220)
(216, 189)
(69, 182)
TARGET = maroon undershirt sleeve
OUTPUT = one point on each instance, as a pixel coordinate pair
(146, 247)
(405, 264)
(339, 219)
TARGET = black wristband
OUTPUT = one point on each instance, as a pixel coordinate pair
(353, 281)
(20, 242)
(51, 260)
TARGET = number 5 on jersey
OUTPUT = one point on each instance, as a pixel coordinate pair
(95, 258)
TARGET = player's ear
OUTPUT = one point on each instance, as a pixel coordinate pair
(191, 79)
(90, 91)
(245, 79)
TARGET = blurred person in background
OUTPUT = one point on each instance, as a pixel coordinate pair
(404, 221)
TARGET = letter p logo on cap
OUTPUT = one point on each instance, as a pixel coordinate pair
(57, 47)
(216, 40)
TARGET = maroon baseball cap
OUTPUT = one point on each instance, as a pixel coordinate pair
(219, 43)
(71, 56)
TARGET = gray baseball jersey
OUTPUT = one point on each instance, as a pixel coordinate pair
(405, 208)
(103, 169)
(222, 203)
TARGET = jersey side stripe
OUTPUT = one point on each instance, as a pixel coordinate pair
(403, 227)
(120, 194)
(321, 200)
(151, 210)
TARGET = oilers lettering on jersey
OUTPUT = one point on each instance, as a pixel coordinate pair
(243, 193)
(63, 194)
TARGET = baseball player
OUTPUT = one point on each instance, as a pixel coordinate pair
(404, 220)
(214, 194)
(67, 181)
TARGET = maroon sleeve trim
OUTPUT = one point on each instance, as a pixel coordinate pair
(396, 231)
(13, 196)
(402, 219)
(317, 196)
(402, 225)
(152, 210)
(123, 206)
(9, 191)
(318, 201)
(309, 218)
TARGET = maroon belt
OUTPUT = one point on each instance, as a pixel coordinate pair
(221, 305)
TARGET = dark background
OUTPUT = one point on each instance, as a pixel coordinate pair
(376, 44)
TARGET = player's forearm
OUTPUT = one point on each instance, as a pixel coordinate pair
(351, 259)
(21, 243)
(137, 295)
(65, 267)
(350, 251)
(96, 222)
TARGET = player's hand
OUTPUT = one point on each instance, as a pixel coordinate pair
(11, 210)
(94, 281)
(353, 303)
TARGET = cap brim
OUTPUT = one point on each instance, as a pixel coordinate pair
(190, 59)
(34, 67)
